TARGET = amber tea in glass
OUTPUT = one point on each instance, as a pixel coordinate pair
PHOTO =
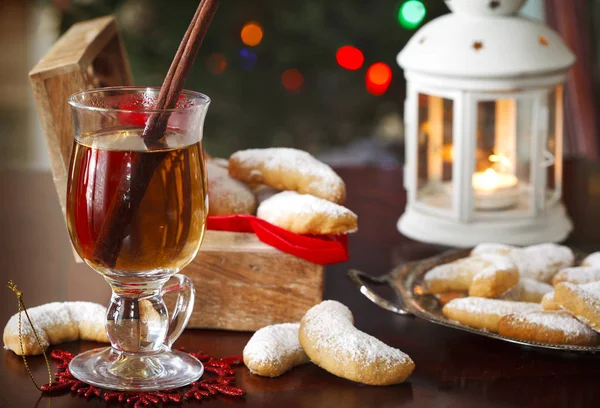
(166, 228)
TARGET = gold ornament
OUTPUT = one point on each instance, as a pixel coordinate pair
(21, 307)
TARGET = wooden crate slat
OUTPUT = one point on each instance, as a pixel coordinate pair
(70, 66)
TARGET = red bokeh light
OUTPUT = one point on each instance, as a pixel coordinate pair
(350, 57)
(216, 63)
(378, 78)
(292, 79)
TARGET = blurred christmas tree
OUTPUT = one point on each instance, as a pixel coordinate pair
(277, 83)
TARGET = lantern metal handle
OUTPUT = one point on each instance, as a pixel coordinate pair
(359, 278)
(548, 159)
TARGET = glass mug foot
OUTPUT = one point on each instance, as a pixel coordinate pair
(112, 369)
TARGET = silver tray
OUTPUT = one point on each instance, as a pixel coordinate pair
(406, 281)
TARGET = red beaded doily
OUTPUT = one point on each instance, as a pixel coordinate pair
(218, 380)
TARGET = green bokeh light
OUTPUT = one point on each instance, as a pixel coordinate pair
(411, 14)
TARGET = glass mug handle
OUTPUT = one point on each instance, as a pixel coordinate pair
(184, 305)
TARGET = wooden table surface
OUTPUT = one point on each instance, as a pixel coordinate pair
(452, 368)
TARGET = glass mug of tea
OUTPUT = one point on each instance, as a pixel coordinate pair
(136, 213)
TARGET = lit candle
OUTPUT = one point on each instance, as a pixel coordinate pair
(490, 180)
(494, 190)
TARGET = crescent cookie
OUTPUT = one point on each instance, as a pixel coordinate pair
(288, 169)
(581, 303)
(307, 214)
(529, 290)
(541, 262)
(56, 323)
(227, 195)
(482, 313)
(557, 327)
(492, 248)
(498, 276)
(329, 338)
(485, 275)
(548, 302)
(578, 275)
(454, 276)
(274, 349)
(592, 260)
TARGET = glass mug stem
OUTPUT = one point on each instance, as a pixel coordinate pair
(137, 319)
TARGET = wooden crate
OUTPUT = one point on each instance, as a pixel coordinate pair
(241, 283)
(244, 284)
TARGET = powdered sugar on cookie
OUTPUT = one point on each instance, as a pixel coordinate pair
(287, 159)
(330, 339)
(578, 275)
(548, 302)
(540, 262)
(589, 293)
(581, 303)
(274, 350)
(534, 287)
(330, 326)
(227, 195)
(56, 323)
(288, 169)
(306, 214)
(444, 271)
(593, 287)
(529, 290)
(556, 327)
(289, 202)
(482, 313)
(494, 263)
(485, 275)
(492, 248)
(87, 312)
(592, 260)
(543, 261)
(559, 321)
(48, 315)
(495, 306)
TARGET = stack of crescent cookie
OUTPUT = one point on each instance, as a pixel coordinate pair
(534, 293)
(286, 187)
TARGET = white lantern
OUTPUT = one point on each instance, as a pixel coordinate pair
(484, 128)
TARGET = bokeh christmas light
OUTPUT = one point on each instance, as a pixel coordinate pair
(378, 78)
(252, 33)
(350, 57)
(411, 14)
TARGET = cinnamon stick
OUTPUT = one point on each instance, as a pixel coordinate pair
(133, 185)
(179, 70)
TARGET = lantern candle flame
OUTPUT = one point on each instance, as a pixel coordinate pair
(495, 188)
(490, 180)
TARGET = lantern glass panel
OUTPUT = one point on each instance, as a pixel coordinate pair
(502, 175)
(434, 151)
(551, 117)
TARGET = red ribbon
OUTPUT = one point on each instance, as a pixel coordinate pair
(322, 250)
